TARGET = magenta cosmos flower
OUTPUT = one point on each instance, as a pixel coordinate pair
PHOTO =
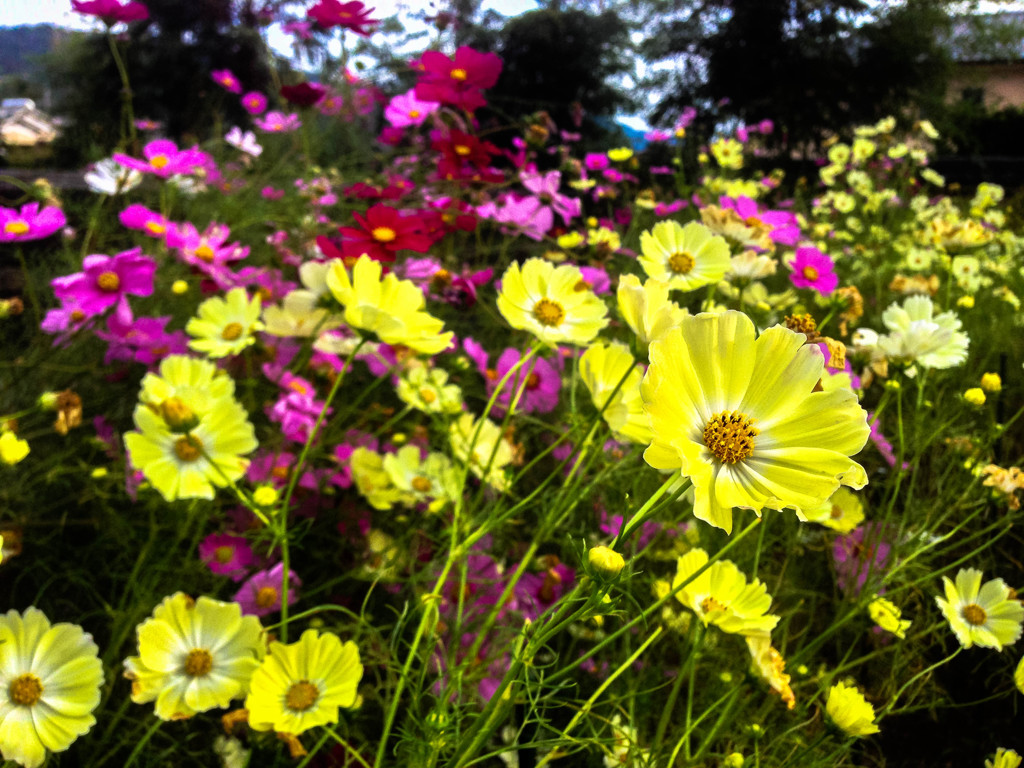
(255, 103)
(105, 281)
(459, 81)
(164, 159)
(813, 269)
(29, 223)
(860, 554)
(279, 122)
(227, 555)
(226, 79)
(261, 594)
(111, 12)
(353, 16)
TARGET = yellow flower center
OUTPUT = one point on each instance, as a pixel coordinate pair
(974, 614)
(548, 312)
(266, 597)
(298, 386)
(198, 663)
(16, 227)
(204, 252)
(427, 395)
(301, 696)
(188, 448)
(26, 690)
(681, 262)
(802, 324)
(729, 435)
(231, 331)
(810, 273)
(155, 229)
(458, 74)
(414, 113)
(421, 484)
(383, 234)
(159, 161)
(709, 604)
(224, 554)
(462, 150)
(179, 417)
(108, 281)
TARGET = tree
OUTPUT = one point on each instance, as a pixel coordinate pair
(811, 66)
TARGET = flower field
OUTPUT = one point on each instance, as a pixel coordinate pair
(453, 452)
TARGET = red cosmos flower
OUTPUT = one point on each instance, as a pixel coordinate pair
(459, 82)
(303, 94)
(463, 156)
(332, 13)
(381, 233)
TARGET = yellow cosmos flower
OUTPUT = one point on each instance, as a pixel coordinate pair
(739, 416)
(481, 444)
(728, 152)
(185, 389)
(1018, 675)
(981, 614)
(843, 512)
(50, 677)
(12, 448)
(431, 480)
(188, 461)
(646, 308)
(427, 389)
(770, 666)
(371, 480)
(555, 304)
(886, 615)
(848, 709)
(194, 655)
(613, 380)
(302, 685)
(225, 326)
(1004, 758)
(721, 596)
(386, 306)
(686, 257)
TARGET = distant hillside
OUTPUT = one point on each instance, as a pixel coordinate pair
(21, 47)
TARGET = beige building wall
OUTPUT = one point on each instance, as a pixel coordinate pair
(1001, 82)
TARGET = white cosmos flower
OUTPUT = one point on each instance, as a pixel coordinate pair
(109, 177)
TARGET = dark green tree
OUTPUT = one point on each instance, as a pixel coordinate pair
(811, 66)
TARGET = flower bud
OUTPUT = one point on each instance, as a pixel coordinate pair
(605, 560)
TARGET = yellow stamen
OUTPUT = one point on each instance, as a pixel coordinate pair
(810, 273)
(974, 614)
(188, 448)
(458, 74)
(16, 228)
(421, 484)
(266, 597)
(224, 554)
(709, 604)
(462, 150)
(383, 234)
(159, 161)
(681, 262)
(204, 252)
(232, 331)
(25, 690)
(198, 663)
(301, 696)
(548, 312)
(108, 281)
(729, 435)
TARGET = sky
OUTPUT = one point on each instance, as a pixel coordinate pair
(14, 12)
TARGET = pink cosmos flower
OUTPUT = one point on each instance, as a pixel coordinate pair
(164, 159)
(405, 110)
(207, 252)
(459, 81)
(297, 408)
(68, 317)
(261, 594)
(596, 279)
(545, 187)
(254, 102)
(353, 16)
(279, 122)
(29, 223)
(226, 79)
(106, 280)
(304, 94)
(785, 229)
(596, 161)
(145, 124)
(539, 380)
(458, 289)
(142, 340)
(302, 30)
(111, 12)
(536, 592)
(270, 193)
(813, 269)
(859, 554)
(139, 217)
(527, 214)
(227, 555)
